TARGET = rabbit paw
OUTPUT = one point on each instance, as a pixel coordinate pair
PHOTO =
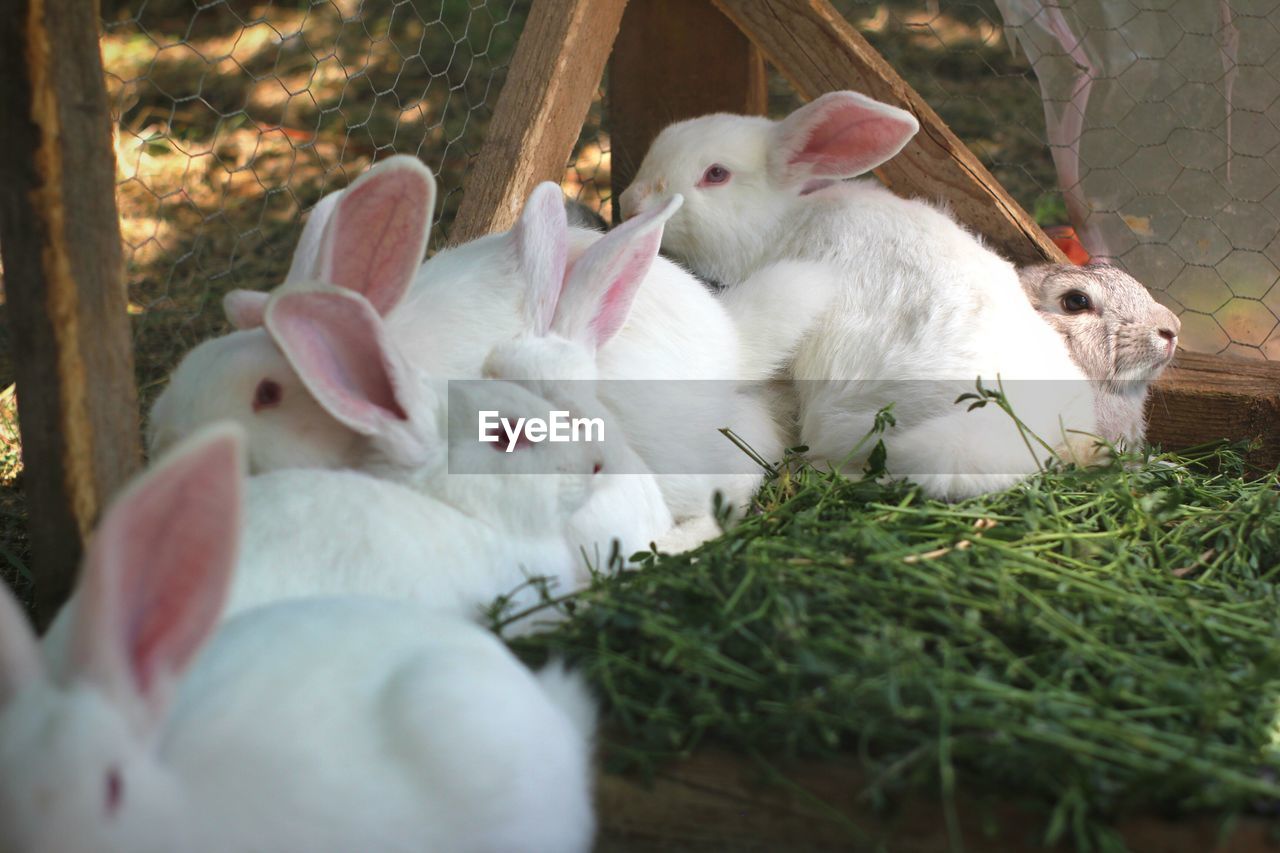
(689, 534)
(1084, 451)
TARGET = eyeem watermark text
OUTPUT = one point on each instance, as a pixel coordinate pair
(558, 427)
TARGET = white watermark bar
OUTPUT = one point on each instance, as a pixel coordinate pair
(560, 425)
(910, 427)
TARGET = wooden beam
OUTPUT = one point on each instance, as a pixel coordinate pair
(64, 282)
(819, 51)
(719, 801)
(1204, 398)
(673, 60)
(553, 76)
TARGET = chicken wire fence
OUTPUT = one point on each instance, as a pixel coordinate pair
(233, 118)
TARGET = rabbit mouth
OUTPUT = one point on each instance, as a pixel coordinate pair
(1143, 368)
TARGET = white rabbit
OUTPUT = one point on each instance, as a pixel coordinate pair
(677, 340)
(1121, 337)
(313, 532)
(330, 724)
(479, 521)
(334, 333)
(921, 300)
(486, 532)
(570, 316)
(336, 344)
(368, 238)
(462, 303)
(455, 540)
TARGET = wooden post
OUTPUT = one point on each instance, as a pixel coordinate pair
(1204, 398)
(675, 59)
(64, 282)
(554, 74)
(819, 51)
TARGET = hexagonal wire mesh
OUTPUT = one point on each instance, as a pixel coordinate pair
(234, 118)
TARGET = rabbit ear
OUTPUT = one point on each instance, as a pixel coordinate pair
(244, 308)
(376, 237)
(541, 242)
(599, 290)
(158, 570)
(20, 661)
(1032, 278)
(839, 135)
(305, 265)
(337, 344)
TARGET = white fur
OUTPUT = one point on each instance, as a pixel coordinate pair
(466, 300)
(453, 541)
(677, 338)
(919, 298)
(326, 724)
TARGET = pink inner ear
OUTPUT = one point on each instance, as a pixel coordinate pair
(616, 304)
(846, 145)
(160, 564)
(850, 136)
(335, 344)
(379, 234)
(602, 285)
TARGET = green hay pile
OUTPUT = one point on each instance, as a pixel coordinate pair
(1096, 643)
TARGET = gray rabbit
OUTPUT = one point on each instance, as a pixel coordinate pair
(1116, 332)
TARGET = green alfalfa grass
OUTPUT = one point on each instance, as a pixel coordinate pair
(1093, 643)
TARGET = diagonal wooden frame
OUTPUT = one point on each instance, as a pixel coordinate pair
(560, 61)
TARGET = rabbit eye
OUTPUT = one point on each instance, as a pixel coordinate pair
(267, 394)
(114, 793)
(715, 174)
(1075, 301)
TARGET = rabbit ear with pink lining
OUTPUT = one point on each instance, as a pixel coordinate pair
(369, 238)
(338, 345)
(839, 135)
(158, 571)
(597, 293)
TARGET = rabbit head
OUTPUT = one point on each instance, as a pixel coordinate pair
(742, 176)
(1116, 332)
(571, 314)
(416, 430)
(78, 748)
(498, 470)
(367, 239)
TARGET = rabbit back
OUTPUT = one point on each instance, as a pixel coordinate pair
(421, 732)
(315, 533)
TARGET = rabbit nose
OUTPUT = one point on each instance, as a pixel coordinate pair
(1168, 334)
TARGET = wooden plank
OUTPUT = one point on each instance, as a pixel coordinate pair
(64, 282)
(1204, 398)
(673, 60)
(718, 801)
(553, 76)
(819, 51)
